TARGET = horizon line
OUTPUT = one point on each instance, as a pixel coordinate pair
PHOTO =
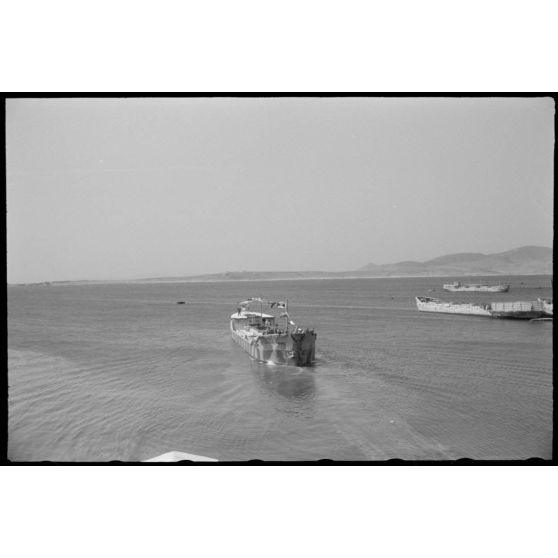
(169, 278)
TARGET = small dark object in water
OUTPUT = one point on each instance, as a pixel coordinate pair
(180, 302)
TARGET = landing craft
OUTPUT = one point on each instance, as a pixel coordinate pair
(522, 310)
(458, 286)
(266, 340)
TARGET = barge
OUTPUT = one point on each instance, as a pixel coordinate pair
(522, 310)
(267, 340)
(457, 286)
(517, 310)
(428, 304)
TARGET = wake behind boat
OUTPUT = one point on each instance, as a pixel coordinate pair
(476, 287)
(266, 340)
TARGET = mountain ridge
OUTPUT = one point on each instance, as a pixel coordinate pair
(525, 260)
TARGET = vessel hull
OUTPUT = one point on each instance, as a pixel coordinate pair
(278, 349)
(521, 310)
(273, 348)
(478, 288)
(513, 310)
(527, 315)
(450, 308)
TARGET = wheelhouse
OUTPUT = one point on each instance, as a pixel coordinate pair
(254, 320)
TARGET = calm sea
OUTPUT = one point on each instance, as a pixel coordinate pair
(121, 372)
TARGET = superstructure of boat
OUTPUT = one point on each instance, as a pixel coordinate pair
(266, 340)
(476, 287)
(523, 310)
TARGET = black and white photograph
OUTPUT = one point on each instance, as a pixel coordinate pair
(252, 279)
(279, 278)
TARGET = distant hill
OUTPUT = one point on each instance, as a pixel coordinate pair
(527, 260)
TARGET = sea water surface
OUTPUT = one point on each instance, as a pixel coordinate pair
(121, 372)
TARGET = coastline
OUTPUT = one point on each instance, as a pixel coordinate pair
(257, 279)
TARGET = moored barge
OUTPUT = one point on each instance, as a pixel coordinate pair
(428, 304)
(522, 310)
(457, 286)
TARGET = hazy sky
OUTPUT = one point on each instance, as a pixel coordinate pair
(130, 188)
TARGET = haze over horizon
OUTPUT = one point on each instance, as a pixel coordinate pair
(153, 187)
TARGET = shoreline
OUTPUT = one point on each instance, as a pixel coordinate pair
(259, 279)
